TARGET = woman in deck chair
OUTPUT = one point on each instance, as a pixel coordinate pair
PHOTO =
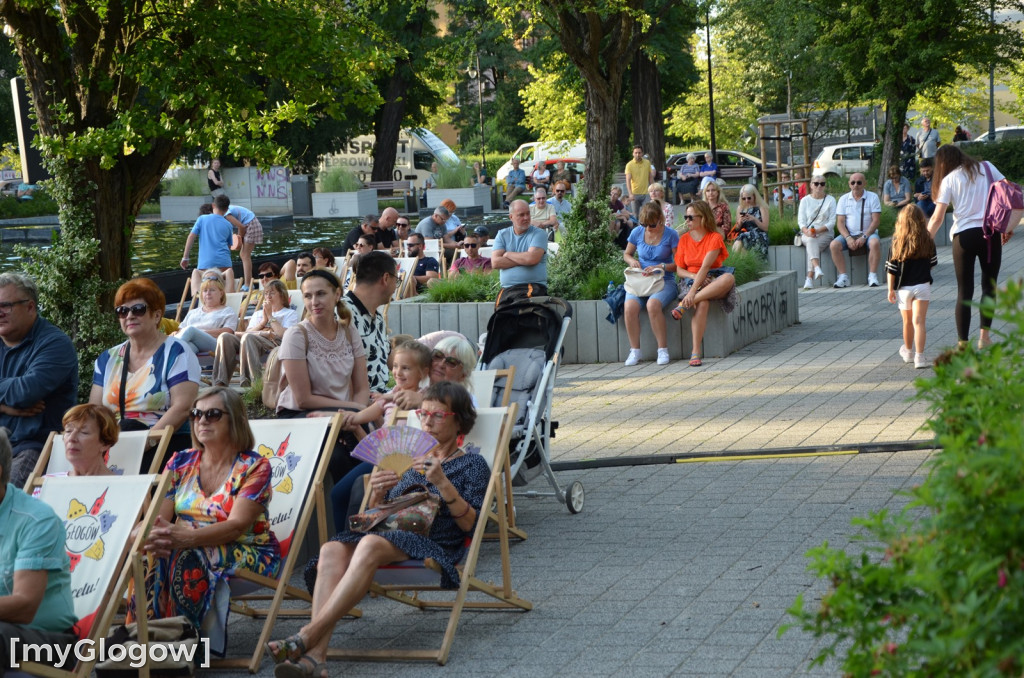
(213, 520)
(89, 433)
(347, 564)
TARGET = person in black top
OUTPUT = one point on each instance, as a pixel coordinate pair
(909, 270)
(367, 227)
(213, 179)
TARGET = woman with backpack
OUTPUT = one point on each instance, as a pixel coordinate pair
(962, 181)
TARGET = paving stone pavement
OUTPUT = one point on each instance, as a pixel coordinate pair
(687, 569)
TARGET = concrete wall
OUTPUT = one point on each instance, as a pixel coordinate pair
(766, 306)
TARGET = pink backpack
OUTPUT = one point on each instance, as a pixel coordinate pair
(1003, 207)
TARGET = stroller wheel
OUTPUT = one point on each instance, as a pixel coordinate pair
(574, 497)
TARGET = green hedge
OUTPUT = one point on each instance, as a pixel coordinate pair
(40, 205)
(782, 229)
(1008, 156)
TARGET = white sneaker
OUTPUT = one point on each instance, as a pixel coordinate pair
(920, 362)
(842, 281)
(906, 354)
(633, 358)
(808, 284)
(872, 280)
(818, 272)
(663, 356)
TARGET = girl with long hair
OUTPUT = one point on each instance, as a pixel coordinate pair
(909, 270)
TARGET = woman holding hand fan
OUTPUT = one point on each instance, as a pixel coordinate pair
(347, 563)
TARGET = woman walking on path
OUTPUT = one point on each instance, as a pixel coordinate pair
(962, 181)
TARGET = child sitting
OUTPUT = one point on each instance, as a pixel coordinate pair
(412, 361)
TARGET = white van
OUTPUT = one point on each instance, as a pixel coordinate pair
(418, 148)
(843, 159)
(531, 152)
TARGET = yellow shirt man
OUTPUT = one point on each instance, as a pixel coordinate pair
(639, 175)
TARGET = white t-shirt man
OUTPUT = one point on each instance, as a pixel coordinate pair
(858, 212)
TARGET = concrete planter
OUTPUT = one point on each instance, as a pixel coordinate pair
(766, 306)
(477, 196)
(352, 204)
(182, 207)
(791, 258)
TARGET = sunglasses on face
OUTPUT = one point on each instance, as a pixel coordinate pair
(856, 183)
(261, 276)
(212, 414)
(817, 183)
(469, 246)
(136, 310)
(654, 225)
(559, 192)
(402, 224)
(691, 217)
(448, 360)
(746, 197)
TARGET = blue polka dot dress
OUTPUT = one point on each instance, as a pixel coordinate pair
(469, 474)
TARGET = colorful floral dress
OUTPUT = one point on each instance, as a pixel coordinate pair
(185, 583)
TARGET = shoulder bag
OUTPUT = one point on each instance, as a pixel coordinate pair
(412, 512)
(274, 379)
(641, 285)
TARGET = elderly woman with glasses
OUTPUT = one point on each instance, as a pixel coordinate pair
(151, 379)
(213, 520)
(750, 231)
(651, 246)
(341, 576)
(212, 318)
(816, 217)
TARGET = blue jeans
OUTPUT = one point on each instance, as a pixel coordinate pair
(198, 340)
(927, 206)
(341, 494)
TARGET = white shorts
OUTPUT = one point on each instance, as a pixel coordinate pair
(908, 294)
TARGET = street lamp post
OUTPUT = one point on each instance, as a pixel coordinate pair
(711, 89)
(477, 74)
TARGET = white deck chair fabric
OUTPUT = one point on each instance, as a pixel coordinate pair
(125, 455)
(481, 386)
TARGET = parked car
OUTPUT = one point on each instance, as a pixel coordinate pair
(575, 165)
(529, 153)
(841, 159)
(733, 166)
(1002, 133)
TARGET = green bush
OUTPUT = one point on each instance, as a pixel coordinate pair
(1007, 155)
(749, 266)
(40, 205)
(188, 182)
(938, 588)
(459, 176)
(464, 287)
(339, 180)
(587, 257)
(781, 229)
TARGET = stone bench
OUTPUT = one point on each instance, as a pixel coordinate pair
(792, 258)
(766, 306)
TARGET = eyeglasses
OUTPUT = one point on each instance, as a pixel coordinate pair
(261, 276)
(691, 217)
(7, 306)
(654, 225)
(817, 183)
(213, 414)
(469, 246)
(123, 311)
(448, 360)
(433, 416)
(559, 191)
(856, 183)
(403, 223)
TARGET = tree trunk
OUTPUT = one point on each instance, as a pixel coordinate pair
(648, 117)
(602, 117)
(895, 114)
(387, 126)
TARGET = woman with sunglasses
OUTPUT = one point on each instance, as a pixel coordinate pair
(651, 246)
(212, 318)
(751, 229)
(324, 258)
(702, 278)
(213, 520)
(816, 217)
(151, 379)
(323, 362)
(341, 576)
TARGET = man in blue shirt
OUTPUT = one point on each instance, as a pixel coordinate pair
(38, 373)
(215, 234)
(427, 268)
(520, 254)
(923, 187)
(35, 588)
(515, 182)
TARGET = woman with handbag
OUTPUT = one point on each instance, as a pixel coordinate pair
(151, 379)
(751, 229)
(347, 564)
(703, 279)
(816, 217)
(650, 279)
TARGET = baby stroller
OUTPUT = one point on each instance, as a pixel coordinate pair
(527, 333)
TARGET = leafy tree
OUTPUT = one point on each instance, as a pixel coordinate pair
(963, 101)
(119, 87)
(553, 100)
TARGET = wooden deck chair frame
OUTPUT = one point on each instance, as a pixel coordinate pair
(130, 566)
(504, 597)
(283, 590)
(182, 308)
(509, 374)
(162, 438)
